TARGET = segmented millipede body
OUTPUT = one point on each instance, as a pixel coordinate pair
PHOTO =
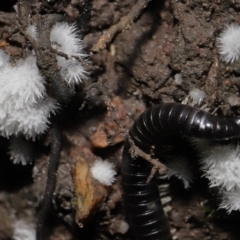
(151, 129)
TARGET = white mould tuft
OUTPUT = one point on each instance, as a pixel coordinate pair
(202, 145)
(233, 101)
(221, 165)
(103, 172)
(65, 38)
(29, 121)
(231, 200)
(20, 150)
(4, 58)
(32, 31)
(229, 44)
(72, 71)
(179, 167)
(23, 230)
(197, 96)
(21, 85)
(178, 79)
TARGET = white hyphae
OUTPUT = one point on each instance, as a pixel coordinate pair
(32, 31)
(103, 172)
(64, 38)
(229, 44)
(29, 121)
(202, 145)
(231, 200)
(178, 79)
(21, 85)
(179, 167)
(23, 230)
(221, 165)
(71, 70)
(24, 107)
(197, 96)
(4, 58)
(20, 150)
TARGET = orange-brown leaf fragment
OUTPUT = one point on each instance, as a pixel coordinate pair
(89, 193)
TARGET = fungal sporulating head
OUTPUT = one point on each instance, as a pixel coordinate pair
(179, 167)
(201, 144)
(23, 230)
(221, 165)
(20, 150)
(229, 44)
(233, 100)
(197, 96)
(25, 107)
(178, 79)
(103, 172)
(65, 38)
(231, 200)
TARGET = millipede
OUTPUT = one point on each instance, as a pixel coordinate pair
(150, 131)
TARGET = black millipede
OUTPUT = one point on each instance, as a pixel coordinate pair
(149, 132)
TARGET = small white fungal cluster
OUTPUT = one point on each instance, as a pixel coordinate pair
(103, 172)
(229, 44)
(197, 96)
(201, 144)
(23, 230)
(25, 107)
(179, 167)
(233, 101)
(178, 79)
(32, 31)
(221, 165)
(20, 150)
(65, 39)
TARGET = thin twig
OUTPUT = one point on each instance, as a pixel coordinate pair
(123, 24)
(137, 152)
(45, 209)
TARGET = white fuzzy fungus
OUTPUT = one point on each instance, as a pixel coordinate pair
(72, 71)
(233, 101)
(32, 31)
(178, 78)
(103, 172)
(64, 37)
(179, 167)
(21, 85)
(229, 44)
(202, 145)
(4, 58)
(221, 165)
(231, 200)
(197, 96)
(23, 230)
(29, 121)
(20, 150)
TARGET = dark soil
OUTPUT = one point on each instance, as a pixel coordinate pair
(139, 65)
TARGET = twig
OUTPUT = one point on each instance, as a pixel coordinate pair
(136, 152)
(123, 24)
(45, 209)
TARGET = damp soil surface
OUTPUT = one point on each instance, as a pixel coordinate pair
(170, 50)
